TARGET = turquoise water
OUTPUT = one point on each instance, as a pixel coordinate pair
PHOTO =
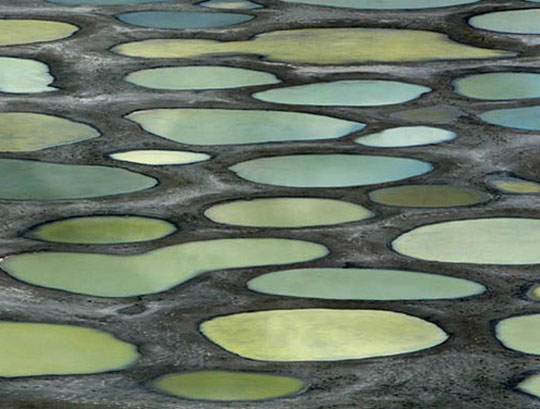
(499, 86)
(346, 93)
(199, 77)
(527, 118)
(332, 170)
(385, 4)
(32, 180)
(406, 136)
(363, 284)
(235, 126)
(182, 19)
(511, 21)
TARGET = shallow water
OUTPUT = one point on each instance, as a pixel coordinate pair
(182, 19)
(384, 4)
(102, 230)
(200, 78)
(287, 212)
(231, 4)
(17, 31)
(28, 131)
(363, 284)
(527, 118)
(235, 126)
(288, 335)
(218, 385)
(331, 170)
(428, 196)
(534, 293)
(22, 76)
(406, 136)
(345, 93)
(515, 185)
(157, 157)
(31, 349)
(33, 180)
(154, 271)
(510, 21)
(499, 86)
(502, 240)
(341, 45)
(531, 385)
(521, 333)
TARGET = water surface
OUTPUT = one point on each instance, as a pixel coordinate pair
(428, 196)
(527, 118)
(287, 212)
(27, 131)
(321, 334)
(215, 385)
(385, 4)
(182, 19)
(158, 157)
(102, 230)
(17, 31)
(406, 136)
(32, 349)
(515, 185)
(363, 284)
(33, 180)
(345, 93)
(329, 170)
(200, 78)
(340, 45)
(501, 240)
(520, 333)
(22, 76)
(107, 275)
(499, 86)
(531, 385)
(235, 126)
(534, 293)
(510, 21)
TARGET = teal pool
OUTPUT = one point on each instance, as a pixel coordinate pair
(526, 118)
(329, 170)
(182, 19)
(363, 284)
(199, 78)
(236, 126)
(525, 21)
(33, 180)
(346, 93)
(499, 86)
